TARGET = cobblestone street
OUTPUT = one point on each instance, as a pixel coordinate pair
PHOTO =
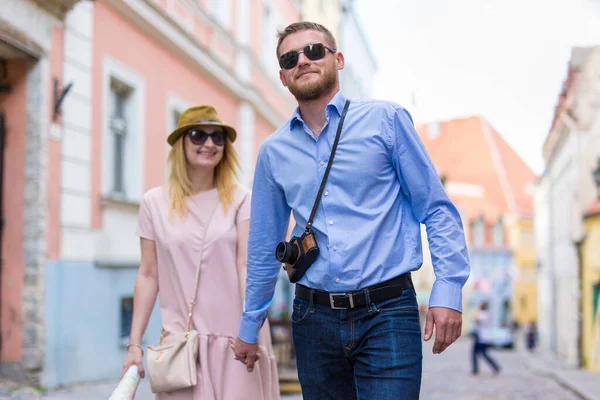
(445, 376)
(448, 376)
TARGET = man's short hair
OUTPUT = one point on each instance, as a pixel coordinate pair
(305, 26)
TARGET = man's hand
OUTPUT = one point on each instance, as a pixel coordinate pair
(246, 353)
(448, 325)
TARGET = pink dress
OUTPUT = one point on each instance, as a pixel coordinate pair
(218, 309)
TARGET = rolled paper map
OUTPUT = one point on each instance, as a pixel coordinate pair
(127, 386)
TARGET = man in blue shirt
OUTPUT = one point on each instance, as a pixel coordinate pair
(355, 320)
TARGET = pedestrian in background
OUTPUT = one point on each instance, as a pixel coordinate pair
(355, 317)
(531, 336)
(201, 217)
(481, 320)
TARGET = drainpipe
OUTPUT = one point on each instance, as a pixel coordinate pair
(5, 87)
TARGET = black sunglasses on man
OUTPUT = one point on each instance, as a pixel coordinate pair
(313, 52)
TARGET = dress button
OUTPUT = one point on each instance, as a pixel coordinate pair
(322, 163)
(334, 248)
(337, 280)
(326, 193)
(330, 222)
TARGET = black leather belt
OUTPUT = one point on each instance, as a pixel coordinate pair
(342, 301)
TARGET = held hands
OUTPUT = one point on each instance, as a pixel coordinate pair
(246, 353)
(134, 357)
(448, 325)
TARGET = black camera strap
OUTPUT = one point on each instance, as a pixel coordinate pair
(324, 180)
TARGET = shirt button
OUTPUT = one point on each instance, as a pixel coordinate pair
(322, 163)
(326, 193)
(330, 222)
(334, 248)
(337, 280)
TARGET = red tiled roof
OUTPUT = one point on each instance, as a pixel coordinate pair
(470, 151)
(519, 176)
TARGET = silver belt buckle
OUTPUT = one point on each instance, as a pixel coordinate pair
(334, 307)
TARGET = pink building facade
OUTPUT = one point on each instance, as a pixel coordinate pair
(72, 182)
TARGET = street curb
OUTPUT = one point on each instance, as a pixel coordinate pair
(554, 375)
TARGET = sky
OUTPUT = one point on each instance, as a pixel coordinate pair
(505, 60)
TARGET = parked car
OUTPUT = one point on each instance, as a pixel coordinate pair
(501, 337)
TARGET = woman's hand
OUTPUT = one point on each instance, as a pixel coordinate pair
(134, 357)
(144, 296)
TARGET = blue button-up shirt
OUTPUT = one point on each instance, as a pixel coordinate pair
(381, 186)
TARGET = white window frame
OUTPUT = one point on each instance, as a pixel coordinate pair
(242, 60)
(245, 143)
(175, 103)
(271, 24)
(134, 167)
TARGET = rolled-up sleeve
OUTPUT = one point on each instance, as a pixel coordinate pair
(269, 218)
(431, 206)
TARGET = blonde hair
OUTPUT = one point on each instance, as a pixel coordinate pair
(180, 185)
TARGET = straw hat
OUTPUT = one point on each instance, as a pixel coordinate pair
(199, 116)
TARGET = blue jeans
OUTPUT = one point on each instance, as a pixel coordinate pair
(371, 352)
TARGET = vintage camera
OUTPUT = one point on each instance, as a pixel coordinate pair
(298, 255)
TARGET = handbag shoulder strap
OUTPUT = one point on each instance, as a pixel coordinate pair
(324, 180)
(197, 282)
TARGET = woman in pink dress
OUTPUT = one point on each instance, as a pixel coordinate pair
(201, 200)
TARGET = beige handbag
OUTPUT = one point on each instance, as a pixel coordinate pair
(172, 364)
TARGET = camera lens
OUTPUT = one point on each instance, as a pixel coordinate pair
(286, 252)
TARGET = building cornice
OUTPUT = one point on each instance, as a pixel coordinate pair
(22, 43)
(556, 138)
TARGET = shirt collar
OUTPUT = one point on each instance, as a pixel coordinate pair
(337, 103)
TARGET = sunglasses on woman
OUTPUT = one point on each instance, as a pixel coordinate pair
(313, 52)
(198, 137)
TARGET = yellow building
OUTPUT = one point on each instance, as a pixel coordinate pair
(524, 304)
(324, 12)
(590, 282)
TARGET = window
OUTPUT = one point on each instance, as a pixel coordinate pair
(498, 234)
(479, 232)
(119, 100)
(126, 315)
(123, 139)
(175, 115)
(176, 105)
